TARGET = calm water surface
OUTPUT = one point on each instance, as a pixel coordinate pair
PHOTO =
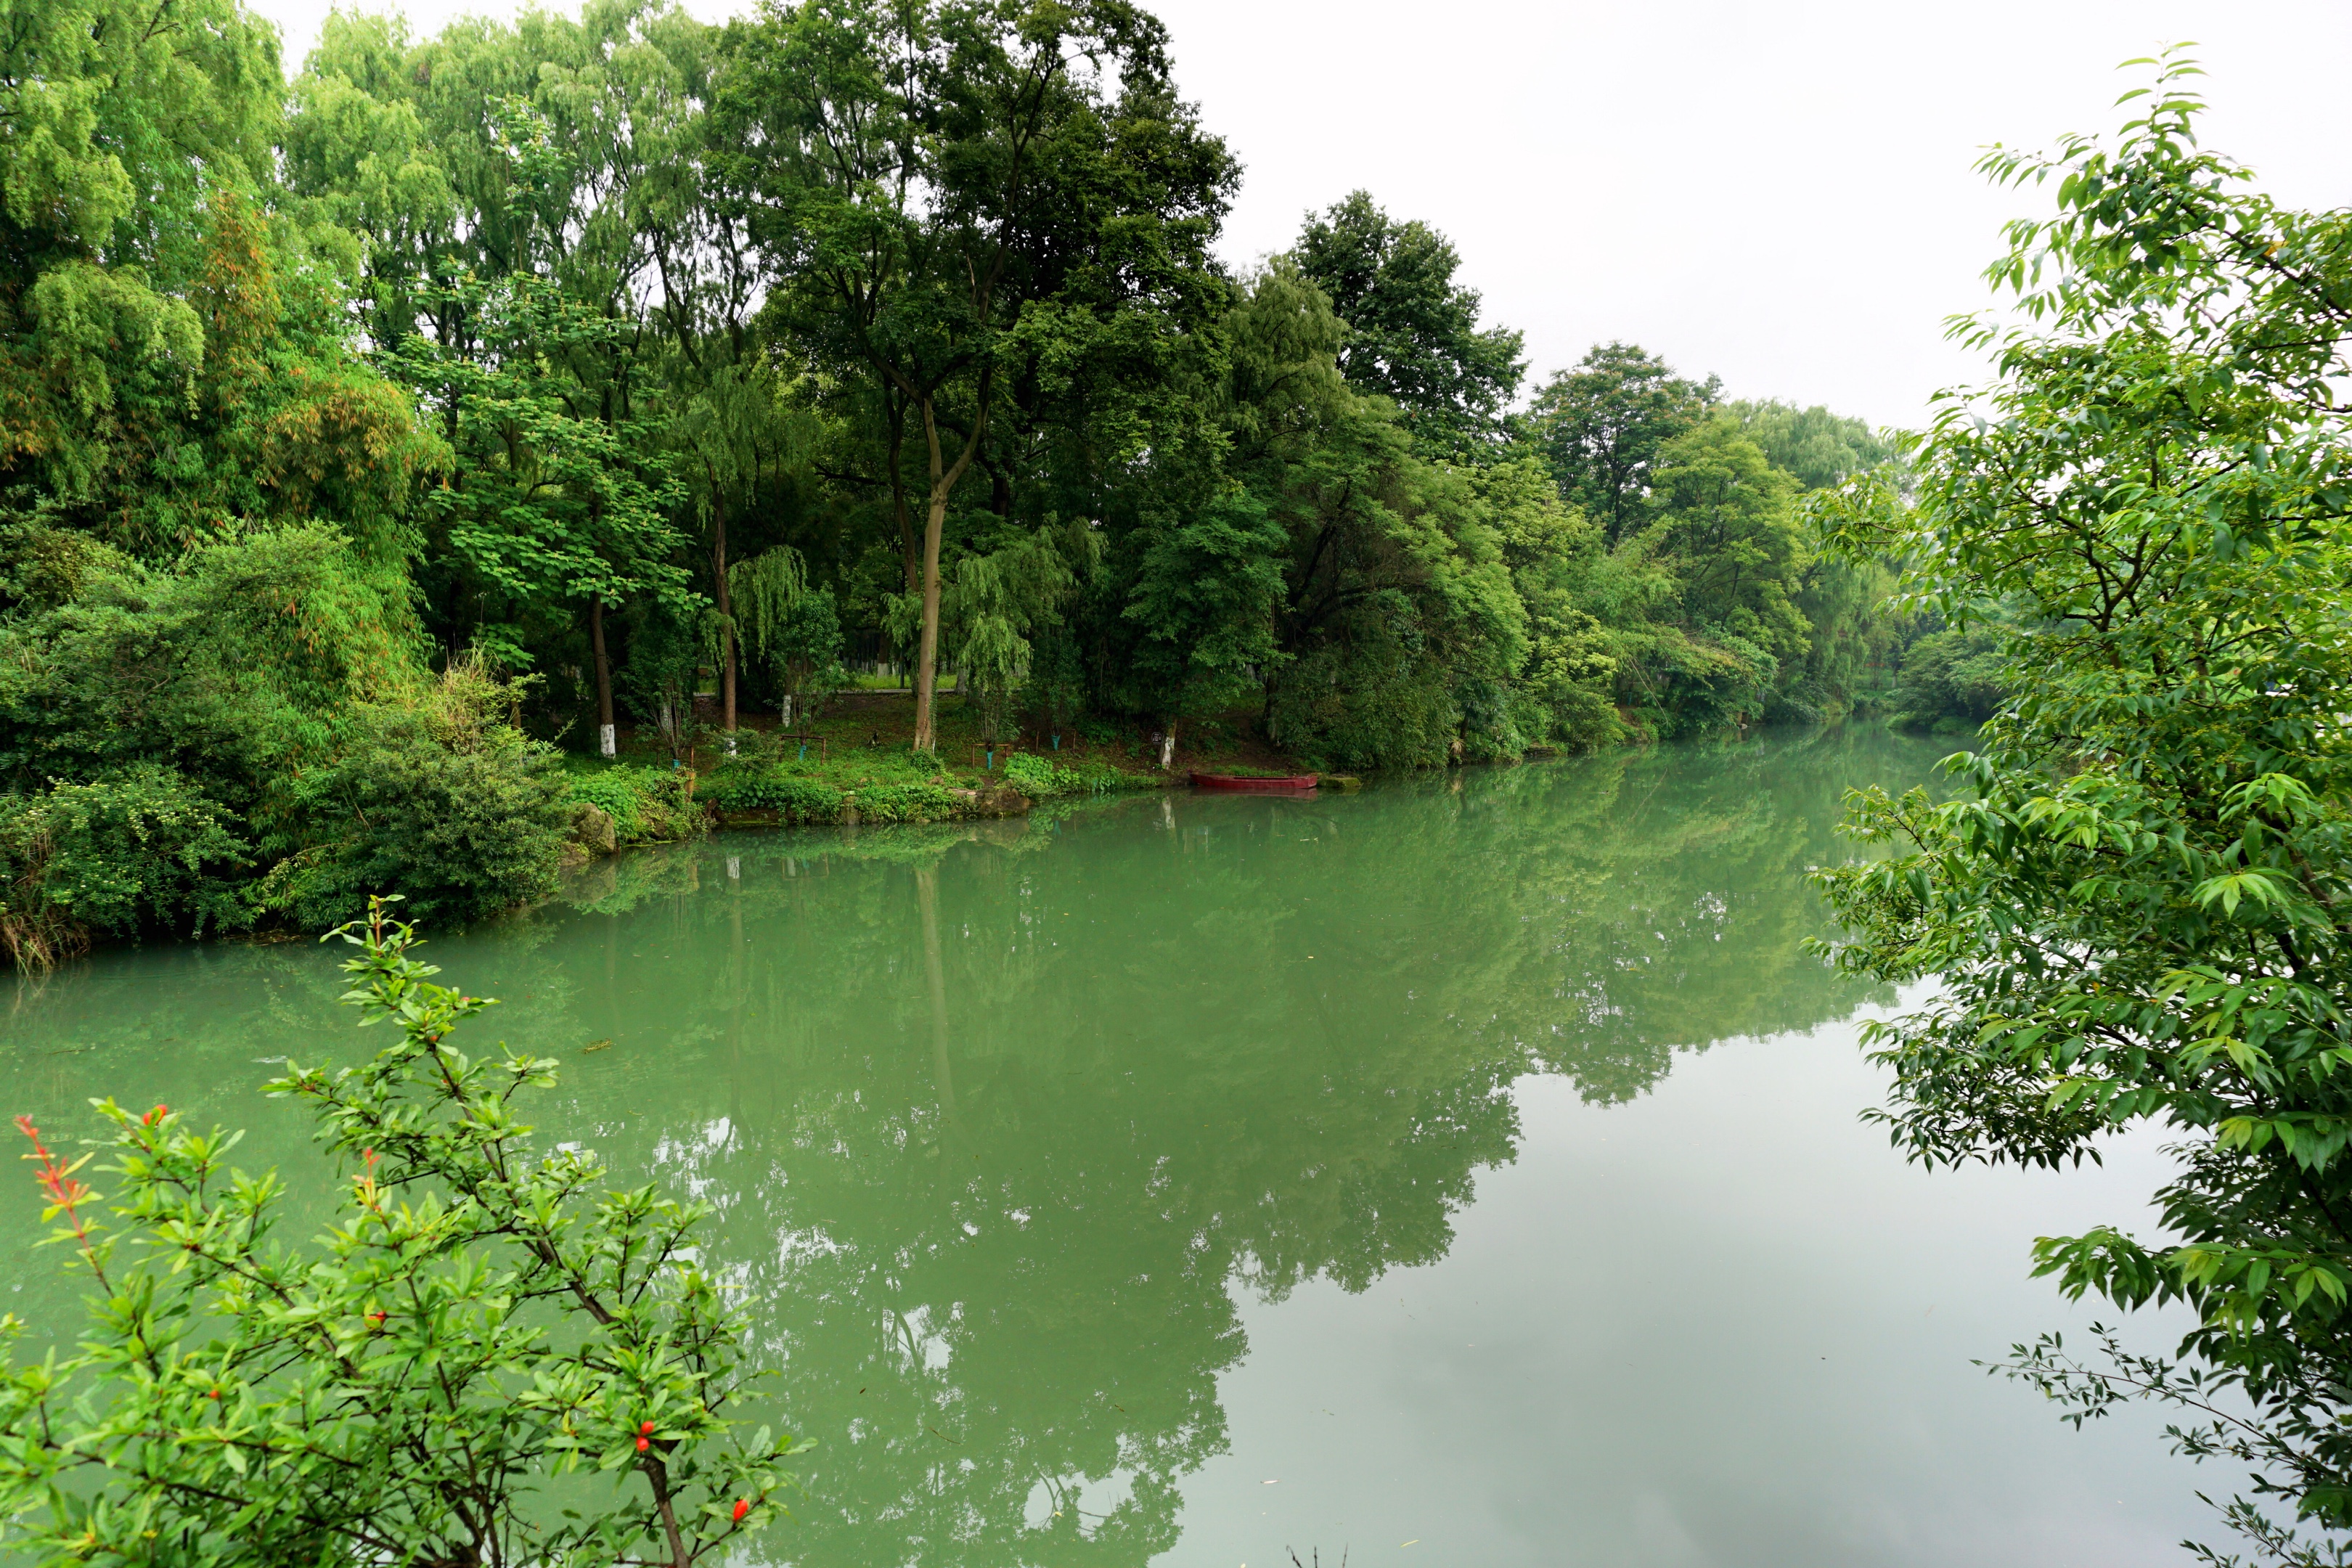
(1462, 1173)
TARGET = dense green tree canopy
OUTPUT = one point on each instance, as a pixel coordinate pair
(1413, 332)
(1814, 446)
(988, 209)
(530, 334)
(1601, 425)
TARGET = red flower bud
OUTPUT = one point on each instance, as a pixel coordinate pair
(214, 1395)
(742, 1507)
(647, 1431)
(643, 1444)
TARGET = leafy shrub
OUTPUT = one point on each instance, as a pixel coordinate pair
(1707, 681)
(44, 567)
(904, 803)
(138, 845)
(1567, 682)
(795, 797)
(458, 833)
(260, 691)
(241, 669)
(1041, 778)
(1088, 777)
(1382, 706)
(647, 805)
(484, 1315)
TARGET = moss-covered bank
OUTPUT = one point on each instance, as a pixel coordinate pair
(618, 804)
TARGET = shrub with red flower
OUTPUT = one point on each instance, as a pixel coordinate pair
(419, 1437)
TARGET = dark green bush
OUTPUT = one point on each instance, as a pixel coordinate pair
(1383, 705)
(238, 669)
(137, 846)
(798, 797)
(457, 832)
(164, 734)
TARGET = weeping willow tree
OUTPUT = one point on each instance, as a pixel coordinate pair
(996, 604)
(777, 616)
(764, 588)
(735, 430)
(762, 591)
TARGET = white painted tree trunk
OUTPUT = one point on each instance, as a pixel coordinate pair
(604, 742)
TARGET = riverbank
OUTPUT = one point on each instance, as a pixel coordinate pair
(856, 765)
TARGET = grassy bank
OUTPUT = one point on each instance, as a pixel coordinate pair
(868, 786)
(856, 765)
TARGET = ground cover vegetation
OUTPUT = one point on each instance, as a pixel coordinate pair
(2138, 904)
(589, 383)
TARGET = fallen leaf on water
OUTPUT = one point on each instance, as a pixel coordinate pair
(594, 1045)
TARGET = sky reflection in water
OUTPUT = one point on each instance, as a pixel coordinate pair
(1196, 1179)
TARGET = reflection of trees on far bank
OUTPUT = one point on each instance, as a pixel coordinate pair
(995, 1116)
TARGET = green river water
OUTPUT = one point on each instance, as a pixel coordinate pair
(1461, 1173)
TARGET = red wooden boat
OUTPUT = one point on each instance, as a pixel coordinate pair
(1290, 785)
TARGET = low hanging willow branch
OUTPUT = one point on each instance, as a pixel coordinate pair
(762, 591)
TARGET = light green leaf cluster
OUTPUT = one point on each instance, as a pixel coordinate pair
(2138, 904)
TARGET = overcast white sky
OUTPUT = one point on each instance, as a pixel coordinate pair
(1779, 194)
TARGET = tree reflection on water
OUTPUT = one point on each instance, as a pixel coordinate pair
(999, 1120)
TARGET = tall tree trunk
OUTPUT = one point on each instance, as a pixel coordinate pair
(727, 618)
(928, 647)
(606, 742)
(910, 549)
(944, 482)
